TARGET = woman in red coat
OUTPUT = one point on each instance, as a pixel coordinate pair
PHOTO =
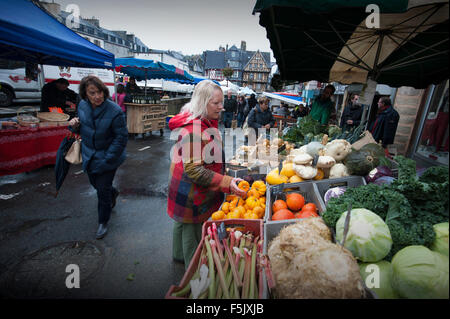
(197, 180)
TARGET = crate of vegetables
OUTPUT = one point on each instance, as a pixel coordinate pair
(335, 187)
(252, 206)
(298, 255)
(226, 263)
(293, 200)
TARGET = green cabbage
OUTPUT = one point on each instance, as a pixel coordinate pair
(368, 236)
(440, 244)
(419, 273)
(379, 278)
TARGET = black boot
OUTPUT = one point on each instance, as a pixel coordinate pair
(101, 231)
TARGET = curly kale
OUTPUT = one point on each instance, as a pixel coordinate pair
(410, 206)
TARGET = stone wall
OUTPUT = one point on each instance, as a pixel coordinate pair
(408, 103)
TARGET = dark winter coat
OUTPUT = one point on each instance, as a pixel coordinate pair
(230, 105)
(104, 136)
(258, 118)
(385, 126)
(351, 112)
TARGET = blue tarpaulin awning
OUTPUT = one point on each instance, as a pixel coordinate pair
(149, 69)
(288, 98)
(30, 34)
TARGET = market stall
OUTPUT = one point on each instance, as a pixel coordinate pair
(147, 113)
(31, 35)
(26, 149)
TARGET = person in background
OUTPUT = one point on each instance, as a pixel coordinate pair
(260, 116)
(230, 106)
(384, 127)
(351, 117)
(283, 110)
(322, 106)
(241, 108)
(132, 88)
(300, 111)
(197, 184)
(104, 136)
(57, 94)
(252, 101)
(120, 97)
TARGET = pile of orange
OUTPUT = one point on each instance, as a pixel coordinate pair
(293, 207)
(251, 206)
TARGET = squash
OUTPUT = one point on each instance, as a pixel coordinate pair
(375, 149)
(361, 162)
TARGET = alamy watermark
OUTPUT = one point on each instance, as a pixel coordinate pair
(73, 19)
(373, 19)
(73, 280)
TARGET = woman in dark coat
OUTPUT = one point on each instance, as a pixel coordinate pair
(101, 124)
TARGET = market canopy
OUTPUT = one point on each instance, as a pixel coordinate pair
(29, 34)
(197, 80)
(285, 97)
(329, 40)
(148, 69)
(246, 91)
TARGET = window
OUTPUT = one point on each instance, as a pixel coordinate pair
(234, 54)
(120, 41)
(113, 39)
(97, 43)
(259, 76)
(433, 142)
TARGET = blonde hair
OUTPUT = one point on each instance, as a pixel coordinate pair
(203, 93)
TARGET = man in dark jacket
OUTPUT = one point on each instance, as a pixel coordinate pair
(351, 117)
(260, 116)
(58, 94)
(385, 125)
(230, 107)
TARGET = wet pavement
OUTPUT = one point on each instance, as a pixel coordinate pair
(40, 235)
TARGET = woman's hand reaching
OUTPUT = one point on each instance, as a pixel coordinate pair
(235, 189)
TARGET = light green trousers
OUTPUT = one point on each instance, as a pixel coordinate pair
(186, 238)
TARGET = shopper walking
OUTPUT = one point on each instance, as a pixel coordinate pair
(230, 106)
(101, 124)
(351, 117)
(241, 108)
(197, 184)
(120, 97)
(322, 106)
(260, 116)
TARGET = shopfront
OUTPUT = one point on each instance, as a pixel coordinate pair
(430, 144)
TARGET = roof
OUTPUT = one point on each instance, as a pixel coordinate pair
(215, 60)
(30, 34)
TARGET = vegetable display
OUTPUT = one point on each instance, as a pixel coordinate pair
(420, 273)
(368, 236)
(440, 243)
(228, 268)
(382, 284)
(410, 206)
(333, 193)
(300, 260)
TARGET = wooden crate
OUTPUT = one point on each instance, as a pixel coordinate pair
(142, 118)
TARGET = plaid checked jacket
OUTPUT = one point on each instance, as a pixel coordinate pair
(196, 183)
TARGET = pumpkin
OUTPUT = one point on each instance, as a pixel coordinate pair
(278, 205)
(288, 170)
(375, 149)
(273, 178)
(295, 201)
(260, 187)
(252, 202)
(226, 207)
(253, 192)
(361, 162)
(320, 174)
(218, 215)
(244, 185)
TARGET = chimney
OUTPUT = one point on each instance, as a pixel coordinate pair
(53, 8)
(94, 21)
(243, 46)
(226, 48)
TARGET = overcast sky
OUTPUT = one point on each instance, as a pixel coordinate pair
(189, 26)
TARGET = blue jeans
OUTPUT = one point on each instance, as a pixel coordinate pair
(227, 119)
(105, 192)
(240, 119)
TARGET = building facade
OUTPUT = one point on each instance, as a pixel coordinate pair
(238, 59)
(120, 43)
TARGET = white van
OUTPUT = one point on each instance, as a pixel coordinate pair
(16, 87)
